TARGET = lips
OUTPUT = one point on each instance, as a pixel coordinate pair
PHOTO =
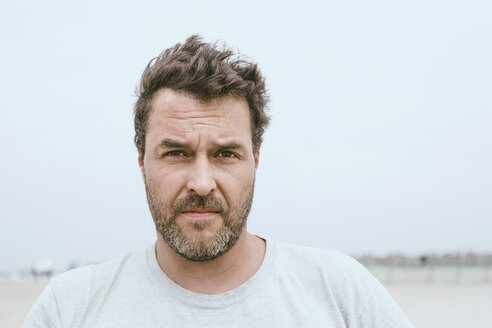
(200, 213)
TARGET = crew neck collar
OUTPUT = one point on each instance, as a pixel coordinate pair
(211, 300)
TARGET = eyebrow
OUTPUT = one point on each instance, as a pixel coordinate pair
(231, 146)
(170, 143)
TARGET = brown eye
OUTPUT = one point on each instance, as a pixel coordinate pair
(227, 154)
(175, 153)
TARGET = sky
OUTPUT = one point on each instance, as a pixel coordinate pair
(380, 140)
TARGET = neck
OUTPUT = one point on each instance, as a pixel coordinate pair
(222, 274)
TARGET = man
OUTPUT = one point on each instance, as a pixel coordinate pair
(199, 121)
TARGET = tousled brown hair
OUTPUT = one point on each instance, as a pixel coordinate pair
(205, 72)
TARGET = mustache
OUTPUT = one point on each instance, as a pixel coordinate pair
(208, 202)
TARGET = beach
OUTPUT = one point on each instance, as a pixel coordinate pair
(16, 298)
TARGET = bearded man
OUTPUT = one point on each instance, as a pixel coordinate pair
(199, 121)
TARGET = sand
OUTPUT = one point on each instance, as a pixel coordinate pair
(445, 305)
(16, 299)
(427, 305)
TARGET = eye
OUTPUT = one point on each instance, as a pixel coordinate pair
(174, 153)
(227, 154)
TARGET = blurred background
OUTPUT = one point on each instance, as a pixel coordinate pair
(380, 142)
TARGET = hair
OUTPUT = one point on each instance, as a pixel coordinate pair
(205, 72)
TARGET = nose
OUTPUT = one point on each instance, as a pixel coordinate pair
(201, 178)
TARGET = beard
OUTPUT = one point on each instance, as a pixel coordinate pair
(234, 220)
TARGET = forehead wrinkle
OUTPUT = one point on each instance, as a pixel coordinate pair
(184, 112)
(186, 125)
(192, 134)
(191, 109)
(188, 121)
(194, 118)
(185, 121)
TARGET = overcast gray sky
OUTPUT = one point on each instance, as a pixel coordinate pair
(380, 140)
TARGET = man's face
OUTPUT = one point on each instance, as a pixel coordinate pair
(199, 172)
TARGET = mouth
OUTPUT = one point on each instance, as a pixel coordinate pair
(200, 213)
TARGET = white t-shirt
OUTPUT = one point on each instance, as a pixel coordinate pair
(294, 287)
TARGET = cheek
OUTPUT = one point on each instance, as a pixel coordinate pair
(237, 185)
(168, 184)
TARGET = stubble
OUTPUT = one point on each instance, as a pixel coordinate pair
(234, 220)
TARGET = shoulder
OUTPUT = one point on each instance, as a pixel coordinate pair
(326, 272)
(77, 292)
(69, 297)
(97, 275)
(330, 262)
(339, 273)
(334, 275)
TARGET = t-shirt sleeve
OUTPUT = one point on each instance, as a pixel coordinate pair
(382, 311)
(44, 312)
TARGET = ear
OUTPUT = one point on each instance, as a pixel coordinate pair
(141, 164)
(257, 158)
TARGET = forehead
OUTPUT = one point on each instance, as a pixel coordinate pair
(182, 115)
